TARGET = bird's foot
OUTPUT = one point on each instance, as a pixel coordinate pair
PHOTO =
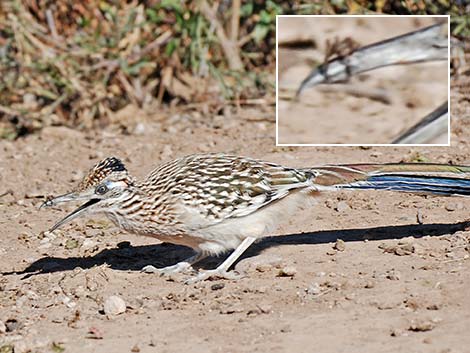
(177, 268)
(217, 273)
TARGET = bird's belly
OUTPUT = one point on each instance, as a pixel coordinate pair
(180, 239)
(164, 233)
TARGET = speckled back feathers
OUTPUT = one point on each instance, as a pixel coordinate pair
(220, 186)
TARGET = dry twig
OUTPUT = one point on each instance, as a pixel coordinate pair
(229, 47)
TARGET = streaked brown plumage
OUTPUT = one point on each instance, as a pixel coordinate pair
(217, 202)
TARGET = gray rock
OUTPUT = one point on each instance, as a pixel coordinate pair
(114, 305)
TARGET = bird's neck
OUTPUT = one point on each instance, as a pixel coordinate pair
(138, 212)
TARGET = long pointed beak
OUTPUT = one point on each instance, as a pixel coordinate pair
(427, 44)
(83, 208)
(66, 198)
(71, 196)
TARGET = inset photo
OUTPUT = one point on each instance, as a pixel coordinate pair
(363, 80)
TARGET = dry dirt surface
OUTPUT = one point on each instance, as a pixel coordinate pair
(359, 272)
(372, 108)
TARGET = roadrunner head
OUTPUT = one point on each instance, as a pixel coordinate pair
(103, 186)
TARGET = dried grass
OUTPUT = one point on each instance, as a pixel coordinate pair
(77, 63)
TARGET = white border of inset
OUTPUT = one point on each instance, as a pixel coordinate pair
(364, 144)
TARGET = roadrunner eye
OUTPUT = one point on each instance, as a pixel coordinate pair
(101, 189)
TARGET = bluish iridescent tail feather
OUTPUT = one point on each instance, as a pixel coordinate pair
(423, 178)
(416, 184)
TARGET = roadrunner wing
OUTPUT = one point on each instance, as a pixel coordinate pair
(416, 178)
(215, 187)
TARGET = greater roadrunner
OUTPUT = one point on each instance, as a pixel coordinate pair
(214, 203)
(426, 44)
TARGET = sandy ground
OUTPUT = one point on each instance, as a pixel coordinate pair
(398, 283)
(329, 114)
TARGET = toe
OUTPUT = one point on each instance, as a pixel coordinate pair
(204, 275)
(179, 267)
(150, 269)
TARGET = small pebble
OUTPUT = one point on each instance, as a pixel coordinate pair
(217, 286)
(404, 249)
(95, 333)
(265, 308)
(342, 206)
(232, 309)
(140, 129)
(453, 206)
(433, 306)
(340, 245)
(114, 305)
(314, 289)
(3, 328)
(263, 267)
(397, 332)
(88, 244)
(387, 304)
(263, 263)
(393, 275)
(12, 325)
(68, 302)
(262, 289)
(44, 241)
(71, 244)
(288, 271)
(419, 217)
(422, 325)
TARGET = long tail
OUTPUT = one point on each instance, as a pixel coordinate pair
(437, 179)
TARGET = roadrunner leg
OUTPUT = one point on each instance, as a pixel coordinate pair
(182, 266)
(222, 269)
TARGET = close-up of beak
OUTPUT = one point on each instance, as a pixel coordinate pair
(427, 44)
(68, 198)
(424, 45)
